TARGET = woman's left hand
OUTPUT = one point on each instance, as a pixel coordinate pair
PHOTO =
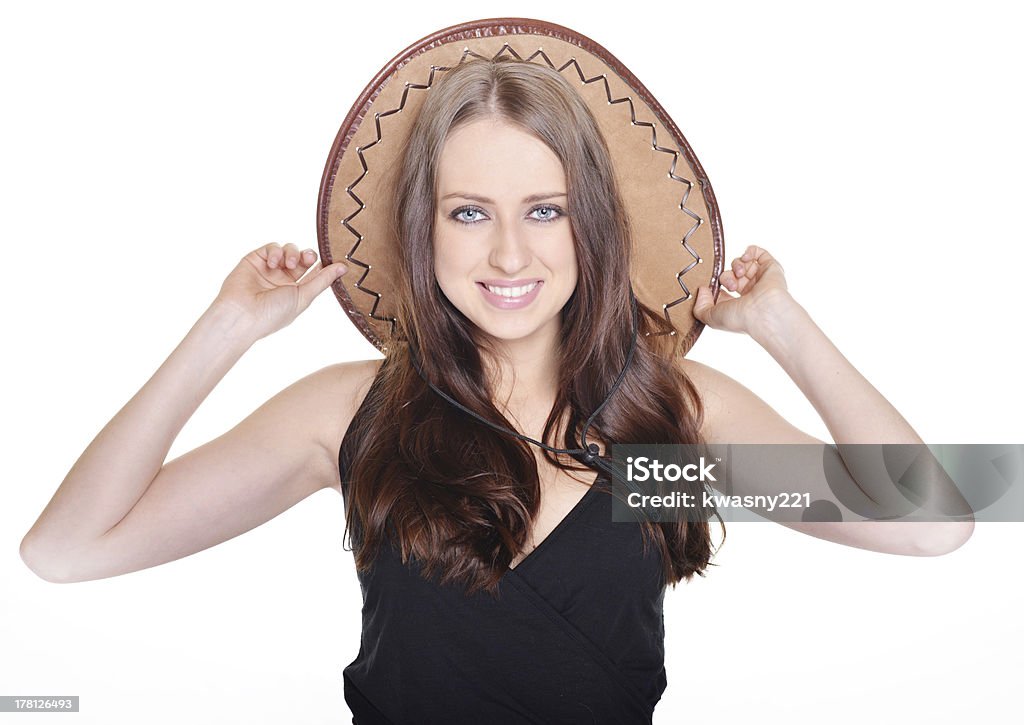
(761, 283)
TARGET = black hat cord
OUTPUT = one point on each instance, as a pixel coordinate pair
(589, 454)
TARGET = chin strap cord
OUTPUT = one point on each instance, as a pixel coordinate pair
(589, 454)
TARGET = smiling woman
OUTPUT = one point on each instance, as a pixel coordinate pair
(518, 304)
(510, 233)
(503, 306)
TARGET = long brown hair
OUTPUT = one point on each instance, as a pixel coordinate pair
(446, 490)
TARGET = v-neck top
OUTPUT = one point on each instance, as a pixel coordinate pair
(575, 634)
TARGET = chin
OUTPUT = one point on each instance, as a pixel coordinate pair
(506, 333)
(512, 331)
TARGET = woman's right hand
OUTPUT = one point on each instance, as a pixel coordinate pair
(272, 285)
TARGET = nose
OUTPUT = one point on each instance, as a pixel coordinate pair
(509, 249)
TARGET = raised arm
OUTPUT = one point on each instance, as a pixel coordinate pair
(121, 508)
(851, 408)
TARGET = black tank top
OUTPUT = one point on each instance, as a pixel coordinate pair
(576, 634)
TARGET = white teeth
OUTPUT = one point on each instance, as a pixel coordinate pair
(511, 291)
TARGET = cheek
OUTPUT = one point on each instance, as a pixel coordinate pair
(448, 266)
(443, 255)
(570, 264)
(438, 260)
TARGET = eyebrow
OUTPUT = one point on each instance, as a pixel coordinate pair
(484, 200)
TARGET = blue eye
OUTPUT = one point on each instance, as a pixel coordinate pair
(463, 210)
(551, 213)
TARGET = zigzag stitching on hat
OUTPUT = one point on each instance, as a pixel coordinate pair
(685, 242)
(586, 81)
(362, 162)
(675, 159)
(358, 240)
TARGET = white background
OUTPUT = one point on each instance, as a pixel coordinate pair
(875, 150)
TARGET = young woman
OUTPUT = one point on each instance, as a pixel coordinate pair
(495, 584)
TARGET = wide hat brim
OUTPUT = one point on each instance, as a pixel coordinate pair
(676, 228)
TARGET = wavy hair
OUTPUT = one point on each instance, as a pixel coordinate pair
(445, 490)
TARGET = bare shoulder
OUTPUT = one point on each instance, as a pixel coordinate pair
(717, 390)
(715, 387)
(705, 378)
(333, 395)
(735, 414)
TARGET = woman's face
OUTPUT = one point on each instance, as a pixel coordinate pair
(503, 245)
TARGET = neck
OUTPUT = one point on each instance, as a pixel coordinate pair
(525, 372)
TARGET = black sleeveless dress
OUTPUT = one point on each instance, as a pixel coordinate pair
(576, 634)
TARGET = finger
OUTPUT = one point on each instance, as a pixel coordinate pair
(704, 306)
(290, 256)
(273, 255)
(276, 256)
(753, 252)
(307, 258)
(265, 252)
(761, 255)
(317, 281)
(286, 258)
(765, 259)
(291, 261)
(312, 272)
(260, 257)
(752, 269)
(743, 283)
(727, 279)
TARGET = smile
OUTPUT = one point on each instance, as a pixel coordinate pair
(511, 291)
(510, 297)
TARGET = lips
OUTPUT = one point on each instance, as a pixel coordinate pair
(517, 291)
(510, 295)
